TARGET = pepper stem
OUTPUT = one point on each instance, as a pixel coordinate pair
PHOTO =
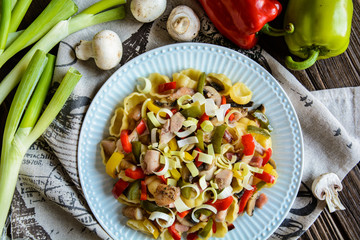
(275, 32)
(313, 55)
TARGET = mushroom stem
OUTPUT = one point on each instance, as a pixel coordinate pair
(84, 50)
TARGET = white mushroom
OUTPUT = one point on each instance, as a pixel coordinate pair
(105, 48)
(147, 10)
(183, 24)
(326, 187)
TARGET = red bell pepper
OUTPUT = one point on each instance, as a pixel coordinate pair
(223, 101)
(214, 227)
(239, 21)
(203, 118)
(124, 138)
(143, 195)
(163, 179)
(184, 213)
(119, 188)
(266, 177)
(221, 204)
(267, 157)
(166, 87)
(192, 236)
(249, 144)
(175, 234)
(174, 110)
(197, 162)
(245, 198)
(138, 173)
(141, 127)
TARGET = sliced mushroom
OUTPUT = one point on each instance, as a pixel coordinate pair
(133, 212)
(326, 187)
(183, 24)
(105, 48)
(210, 92)
(250, 206)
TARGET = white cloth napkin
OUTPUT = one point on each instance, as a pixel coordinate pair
(48, 201)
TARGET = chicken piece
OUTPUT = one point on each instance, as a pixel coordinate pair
(223, 178)
(181, 92)
(261, 201)
(256, 161)
(151, 162)
(181, 228)
(133, 212)
(220, 216)
(165, 134)
(227, 136)
(136, 112)
(176, 122)
(134, 136)
(166, 194)
(186, 221)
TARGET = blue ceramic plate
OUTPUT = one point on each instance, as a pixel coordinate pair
(287, 137)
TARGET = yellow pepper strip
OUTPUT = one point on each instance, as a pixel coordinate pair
(112, 163)
(155, 109)
(188, 157)
(268, 168)
(173, 145)
(152, 229)
(240, 93)
(175, 174)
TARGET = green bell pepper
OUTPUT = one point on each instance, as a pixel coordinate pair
(322, 30)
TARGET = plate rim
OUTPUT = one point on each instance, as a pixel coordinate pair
(193, 46)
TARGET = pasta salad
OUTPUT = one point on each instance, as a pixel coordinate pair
(190, 154)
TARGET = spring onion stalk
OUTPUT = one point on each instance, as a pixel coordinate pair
(12, 37)
(55, 11)
(4, 23)
(87, 18)
(18, 14)
(19, 136)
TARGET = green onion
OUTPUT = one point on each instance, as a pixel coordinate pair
(18, 136)
(18, 14)
(56, 11)
(4, 23)
(93, 15)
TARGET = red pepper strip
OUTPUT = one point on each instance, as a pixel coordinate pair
(124, 138)
(240, 20)
(163, 179)
(143, 195)
(166, 87)
(266, 177)
(249, 144)
(223, 100)
(184, 213)
(221, 204)
(197, 162)
(203, 118)
(141, 127)
(214, 227)
(138, 173)
(267, 157)
(175, 234)
(245, 198)
(119, 188)
(174, 110)
(192, 236)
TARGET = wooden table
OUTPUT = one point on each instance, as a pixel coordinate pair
(336, 72)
